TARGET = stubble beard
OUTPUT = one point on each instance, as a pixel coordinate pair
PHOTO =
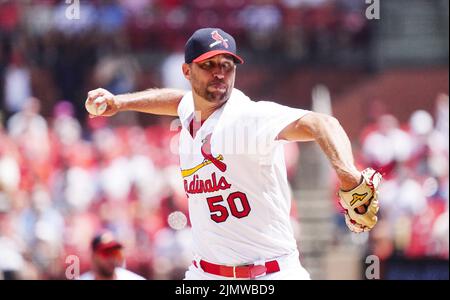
(216, 96)
(212, 96)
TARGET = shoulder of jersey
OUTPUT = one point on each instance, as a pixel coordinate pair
(243, 103)
(124, 274)
(87, 276)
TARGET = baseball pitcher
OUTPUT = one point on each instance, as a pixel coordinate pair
(232, 164)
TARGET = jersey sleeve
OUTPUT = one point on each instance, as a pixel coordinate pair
(185, 107)
(271, 118)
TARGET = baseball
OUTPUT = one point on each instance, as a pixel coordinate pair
(98, 107)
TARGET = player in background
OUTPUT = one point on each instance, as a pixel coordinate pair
(108, 260)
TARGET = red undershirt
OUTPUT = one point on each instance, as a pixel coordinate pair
(191, 127)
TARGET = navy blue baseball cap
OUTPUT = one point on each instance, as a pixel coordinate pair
(105, 241)
(208, 42)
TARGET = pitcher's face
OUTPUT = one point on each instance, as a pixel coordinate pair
(213, 78)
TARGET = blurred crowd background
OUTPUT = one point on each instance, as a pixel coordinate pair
(64, 177)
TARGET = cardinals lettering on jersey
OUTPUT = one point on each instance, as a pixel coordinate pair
(197, 185)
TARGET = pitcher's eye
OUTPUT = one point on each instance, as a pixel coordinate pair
(206, 65)
(227, 66)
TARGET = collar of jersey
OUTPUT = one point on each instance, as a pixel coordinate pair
(234, 94)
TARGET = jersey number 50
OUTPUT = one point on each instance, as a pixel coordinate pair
(219, 212)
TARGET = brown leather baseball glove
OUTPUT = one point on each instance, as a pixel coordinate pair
(361, 203)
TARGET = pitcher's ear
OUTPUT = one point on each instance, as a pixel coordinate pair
(186, 71)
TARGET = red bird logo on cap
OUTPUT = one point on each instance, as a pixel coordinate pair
(218, 39)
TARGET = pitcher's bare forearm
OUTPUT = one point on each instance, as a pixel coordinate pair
(336, 145)
(333, 141)
(153, 101)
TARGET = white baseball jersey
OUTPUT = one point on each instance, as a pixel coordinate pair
(235, 179)
(121, 274)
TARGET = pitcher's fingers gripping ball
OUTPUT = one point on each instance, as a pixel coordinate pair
(361, 203)
(97, 107)
(101, 102)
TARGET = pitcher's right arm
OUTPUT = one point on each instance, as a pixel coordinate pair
(153, 101)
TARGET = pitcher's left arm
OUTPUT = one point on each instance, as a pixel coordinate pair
(358, 190)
